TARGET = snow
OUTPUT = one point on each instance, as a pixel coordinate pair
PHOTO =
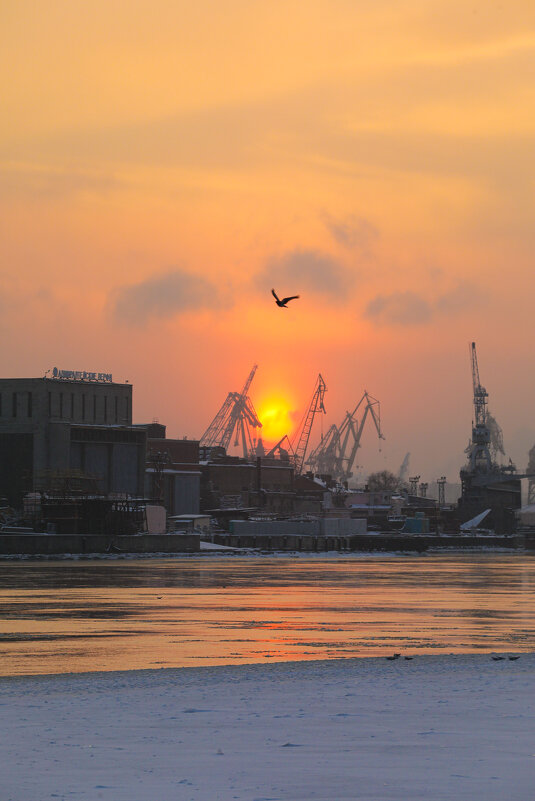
(433, 728)
(213, 546)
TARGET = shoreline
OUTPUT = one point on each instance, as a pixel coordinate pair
(413, 657)
(228, 553)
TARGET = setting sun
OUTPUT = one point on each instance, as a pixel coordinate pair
(277, 418)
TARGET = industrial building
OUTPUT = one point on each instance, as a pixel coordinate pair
(173, 474)
(232, 482)
(71, 423)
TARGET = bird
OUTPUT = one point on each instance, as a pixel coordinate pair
(498, 658)
(282, 303)
(513, 658)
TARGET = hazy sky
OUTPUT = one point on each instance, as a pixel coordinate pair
(164, 164)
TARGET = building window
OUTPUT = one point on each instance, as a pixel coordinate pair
(50, 404)
(14, 409)
(105, 408)
(126, 410)
(94, 408)
(61, 405)
(83, 407)
(30, 404)
(72, 405)
(116, 409)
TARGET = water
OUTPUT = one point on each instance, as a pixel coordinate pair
(80, 616)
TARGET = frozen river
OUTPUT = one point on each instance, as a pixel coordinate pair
(102, 615)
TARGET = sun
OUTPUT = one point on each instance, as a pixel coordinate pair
(276, 415)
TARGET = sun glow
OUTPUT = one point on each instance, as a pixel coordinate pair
(277, 418)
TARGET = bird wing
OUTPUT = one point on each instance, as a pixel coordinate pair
(274, 295)
(293, 297)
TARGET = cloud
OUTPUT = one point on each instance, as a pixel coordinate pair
(307, 271)
(399, 308)
(410, 308)
(353, 232)
(164, 296)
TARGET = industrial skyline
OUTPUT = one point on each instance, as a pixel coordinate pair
(166, 164)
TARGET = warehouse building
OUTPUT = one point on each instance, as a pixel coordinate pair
(71, 423)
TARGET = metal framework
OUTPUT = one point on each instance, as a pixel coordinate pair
(236, 416)
(478, 450)
(480, 393)
(302, 435)
(336, 453)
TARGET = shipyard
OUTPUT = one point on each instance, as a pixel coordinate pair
(78, 475)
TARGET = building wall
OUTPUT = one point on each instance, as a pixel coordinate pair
(72, 425)
(178, 451)
(233, 478)
(28, 399)
(16, 465)
(186, 493)
(181, 490)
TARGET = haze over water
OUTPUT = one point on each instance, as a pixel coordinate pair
(121, 615)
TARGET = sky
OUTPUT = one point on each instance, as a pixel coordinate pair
(163, 165)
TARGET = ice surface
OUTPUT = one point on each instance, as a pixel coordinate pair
(433, 728)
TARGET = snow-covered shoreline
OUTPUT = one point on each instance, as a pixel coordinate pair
(434, 727)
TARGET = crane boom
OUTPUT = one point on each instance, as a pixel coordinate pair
(247, 384)
(316, 404)
(480, 393)
(212, 434)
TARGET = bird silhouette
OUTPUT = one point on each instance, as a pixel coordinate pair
(282, 303)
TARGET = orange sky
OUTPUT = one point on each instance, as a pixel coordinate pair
(164, 164)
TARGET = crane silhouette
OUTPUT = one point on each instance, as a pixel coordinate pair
(282, 303)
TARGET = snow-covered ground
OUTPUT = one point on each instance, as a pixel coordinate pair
(448, 727)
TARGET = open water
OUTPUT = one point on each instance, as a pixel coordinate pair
(76, 616)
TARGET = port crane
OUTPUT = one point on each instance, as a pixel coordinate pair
(299, 444)
(478, 450)
(236, 416)
(335, 455)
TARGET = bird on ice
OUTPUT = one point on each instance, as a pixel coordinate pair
(282, 303)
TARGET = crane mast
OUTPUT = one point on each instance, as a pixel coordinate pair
(480, 393)
(478, 450)
(303, 434)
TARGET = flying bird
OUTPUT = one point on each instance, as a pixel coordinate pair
(282, 303)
